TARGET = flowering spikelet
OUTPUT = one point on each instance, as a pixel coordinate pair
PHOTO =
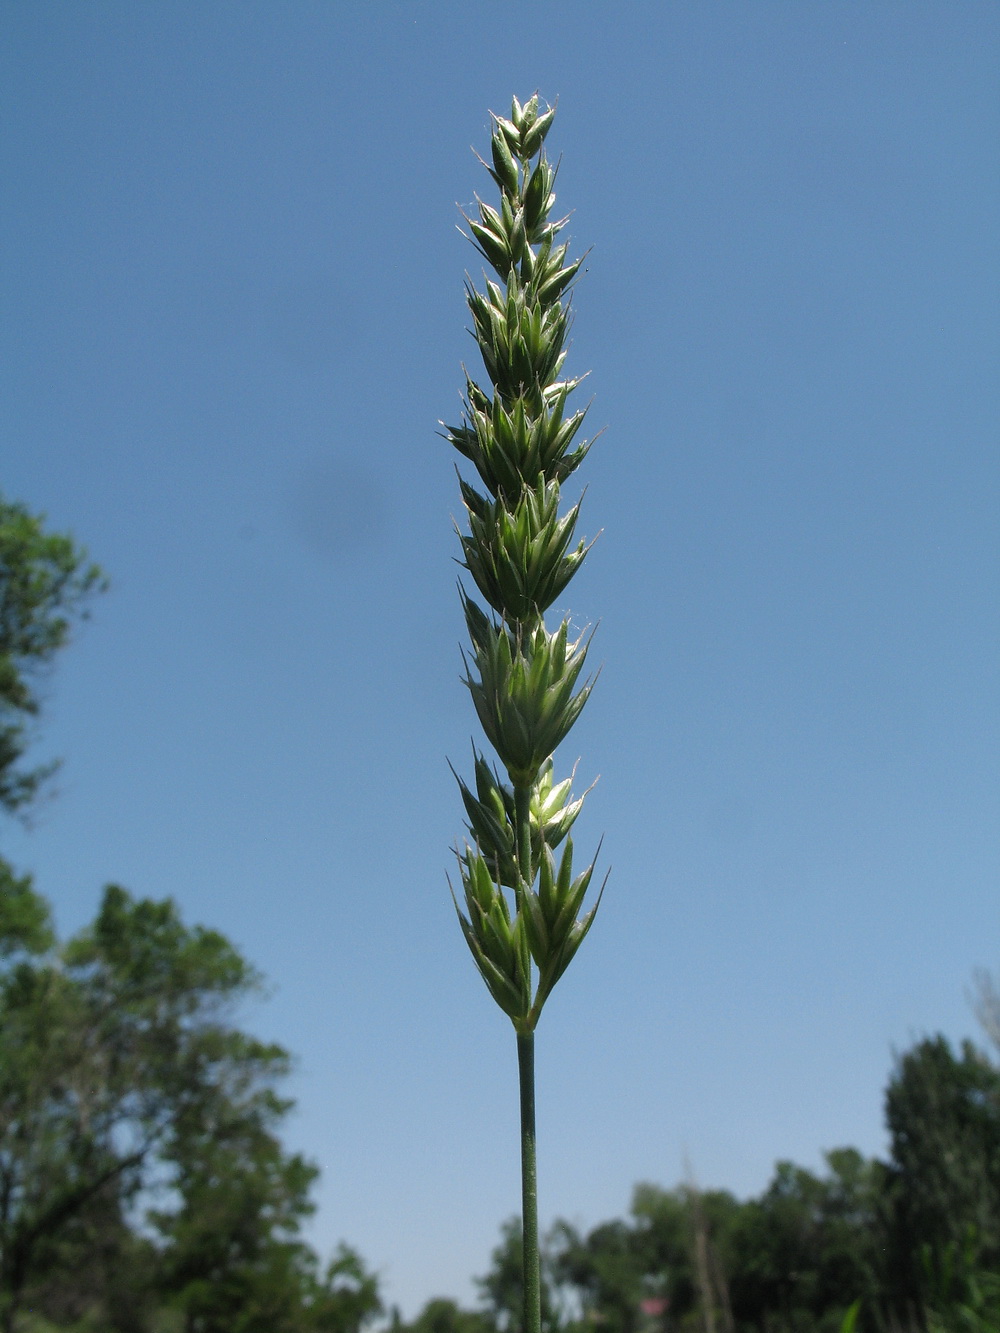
(521, 553)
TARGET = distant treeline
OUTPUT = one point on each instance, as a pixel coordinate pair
(144, 1187)
(915, 1240)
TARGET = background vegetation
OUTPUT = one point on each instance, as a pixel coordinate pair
(144, 1187)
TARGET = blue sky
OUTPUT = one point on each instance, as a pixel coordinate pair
(233, 316)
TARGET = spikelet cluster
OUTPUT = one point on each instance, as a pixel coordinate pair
(522, 921)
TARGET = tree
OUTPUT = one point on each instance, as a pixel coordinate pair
(943, 1190)
(502, 1287)
(663, 1269)
(139, 1160)
(45, 582)
(910, 1244)
(795, 1258)
(809, 1246)
(347, 1298)
(605, 1270)
(443, 1315)
(24, 916)
(986, 1003)
(91, 1043)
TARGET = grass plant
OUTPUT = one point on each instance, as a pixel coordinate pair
(522, 903)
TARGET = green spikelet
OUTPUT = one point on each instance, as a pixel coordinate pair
(526, 681)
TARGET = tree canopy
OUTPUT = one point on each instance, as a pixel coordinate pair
(908, 1245)
(143, 1184)
(46, 580)
(140, 1165)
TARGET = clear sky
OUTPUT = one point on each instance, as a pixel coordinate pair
(233, 316)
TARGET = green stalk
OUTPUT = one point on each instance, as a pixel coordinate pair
(529, 1185)
(526, 1081)
(522, 821)
(519, 434)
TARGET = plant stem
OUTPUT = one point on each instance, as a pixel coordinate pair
(522, 821)
(529, 1185)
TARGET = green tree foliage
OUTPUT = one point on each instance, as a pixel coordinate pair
(443, 1315)
(45, 581)
(808, 1247)
(986, 1003)
(346, 1298)
(143, 1187)
(24, 916)
(943, 1114)
(502, 1287)
(140, 1166)
(911, 1245)
(604, 1269)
